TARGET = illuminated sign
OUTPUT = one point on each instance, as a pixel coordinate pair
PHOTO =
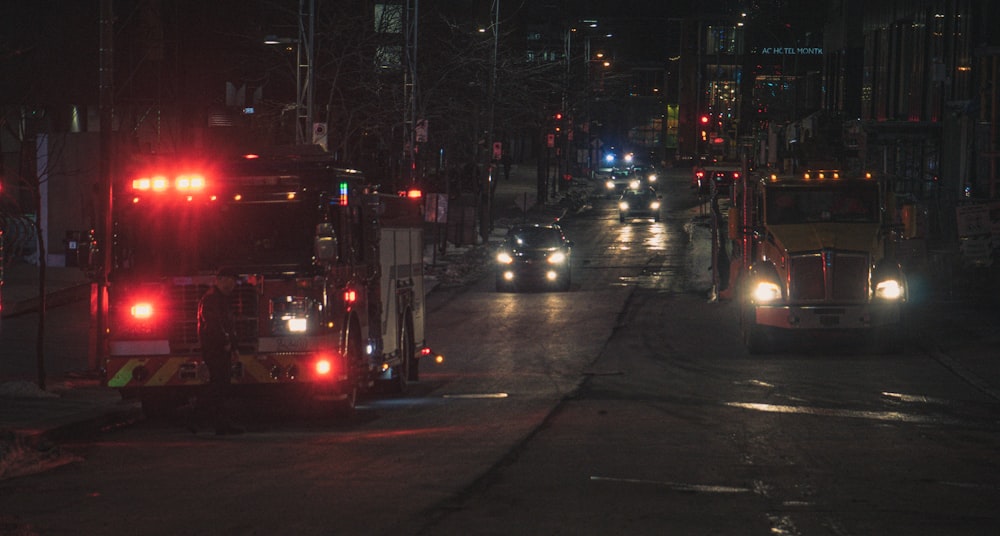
(792, 51)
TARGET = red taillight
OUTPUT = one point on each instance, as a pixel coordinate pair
(323, 367)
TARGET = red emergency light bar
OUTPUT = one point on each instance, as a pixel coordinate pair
(183, 183)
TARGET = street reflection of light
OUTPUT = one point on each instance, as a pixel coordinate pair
(657, 239)
(891, 416)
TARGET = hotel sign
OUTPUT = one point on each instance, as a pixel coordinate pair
(792, 51)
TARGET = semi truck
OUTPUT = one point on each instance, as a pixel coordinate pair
(817, 255)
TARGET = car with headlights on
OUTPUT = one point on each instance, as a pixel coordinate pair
(617, 181)
(533, 255)
(639, 203)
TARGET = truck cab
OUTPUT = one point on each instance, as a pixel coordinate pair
(819, 258)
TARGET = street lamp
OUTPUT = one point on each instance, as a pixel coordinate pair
(303, 69)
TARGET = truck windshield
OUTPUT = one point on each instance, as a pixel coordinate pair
(188, 239)
(822, 204)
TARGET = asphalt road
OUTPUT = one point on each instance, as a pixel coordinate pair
(627, 405)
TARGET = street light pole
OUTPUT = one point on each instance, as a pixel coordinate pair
(304, 73)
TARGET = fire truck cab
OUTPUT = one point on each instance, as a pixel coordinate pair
(330, 297)
(817, 256)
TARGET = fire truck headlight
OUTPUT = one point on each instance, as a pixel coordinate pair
(766, 291)
(504, 258)
(557, 257)
(890, 289)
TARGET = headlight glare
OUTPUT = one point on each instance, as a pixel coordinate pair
(766, 291)
(504, 258)
(655, 205)
(557, 257)
(623, 205)
(890, 289)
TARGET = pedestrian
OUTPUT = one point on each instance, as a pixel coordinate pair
(217, 334)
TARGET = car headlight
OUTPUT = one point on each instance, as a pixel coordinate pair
(766, 291)
(623, 205)
(655, 205)
(651, 178)
(890, 289)
(504, 258)
(634, 184)
(610, 185)
(557, 257)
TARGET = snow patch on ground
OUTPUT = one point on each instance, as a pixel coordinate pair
(23, 389)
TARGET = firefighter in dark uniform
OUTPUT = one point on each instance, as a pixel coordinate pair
(217, 335)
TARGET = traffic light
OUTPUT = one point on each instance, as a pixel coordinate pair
(557, 121)
(705, 119)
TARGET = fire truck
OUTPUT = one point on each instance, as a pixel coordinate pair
(816, 256)
(330, 298)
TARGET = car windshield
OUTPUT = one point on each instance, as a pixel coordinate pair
(545, 237)
(637, 195)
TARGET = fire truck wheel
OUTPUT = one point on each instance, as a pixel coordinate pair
(161, 404)
(406, 371)
(346, 407)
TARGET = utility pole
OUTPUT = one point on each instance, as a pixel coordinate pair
(105, 183)
(410, 92)
(486, 221)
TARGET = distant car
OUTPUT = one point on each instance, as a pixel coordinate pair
(723, 177)
(644, 175)
(618, 181)
(534, 255)
(639, 203)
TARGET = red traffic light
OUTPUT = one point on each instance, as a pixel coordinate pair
(558, 116)
(705, 119)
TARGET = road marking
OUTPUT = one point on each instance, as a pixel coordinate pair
(476, 395)
(677, 486)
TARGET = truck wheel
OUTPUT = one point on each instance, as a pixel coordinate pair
(406, 371)
(161, 404)
(345, 408)
(888, 340)
(754, 336)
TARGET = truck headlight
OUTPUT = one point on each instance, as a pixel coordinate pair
(766, 291)
(890, 289)
(504, 258)
(557, 258)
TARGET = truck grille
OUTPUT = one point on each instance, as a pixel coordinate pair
(184, 305)
(829, 276)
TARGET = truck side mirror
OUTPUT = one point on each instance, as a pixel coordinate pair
(325, 243)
